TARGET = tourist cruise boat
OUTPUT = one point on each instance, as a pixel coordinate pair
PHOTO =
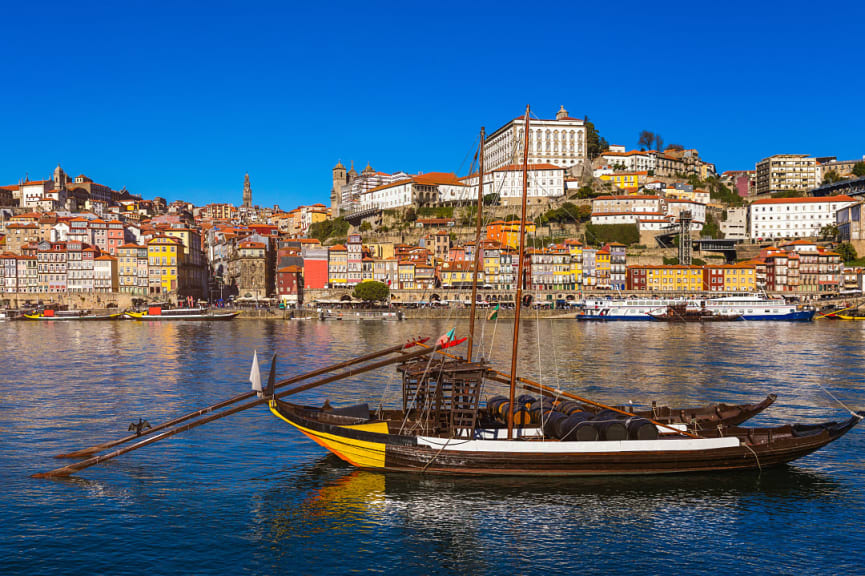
(753, 307)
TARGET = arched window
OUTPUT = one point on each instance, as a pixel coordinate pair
(548, 136)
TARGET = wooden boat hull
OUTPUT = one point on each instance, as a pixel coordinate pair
(76, 318)
(161, 318)
(367, 445)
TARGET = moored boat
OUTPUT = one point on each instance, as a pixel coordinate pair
(157, 313)
(681, 312)
(62, 315)
(753, 307)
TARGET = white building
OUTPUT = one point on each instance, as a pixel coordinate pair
(735, 227)
(793, 217)
(633, 161)
(423, 189)
(649, 212)
(561, 142)
(787, 172)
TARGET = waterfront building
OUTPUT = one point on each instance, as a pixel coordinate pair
(315, 267)
(787, 172)
(80, 266)
(105, 278)
(289, 284)
(589, 277)
(8, 272)
(164, 255)
(406, 271)
(132, 269)
(739, 277)
(386, 270)
(618, 265)
(560, 142)
(424, 276)
(367, 269)
(354, 260)
(794, 217)
(458, 274)
(28, 274)
(819, 269)
(665, 278)
(51, 267)
(249, 270)
(337, 266)
(193, 265)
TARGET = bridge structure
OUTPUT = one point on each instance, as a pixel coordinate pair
(722, 246)
(855, 187)
(355, 218)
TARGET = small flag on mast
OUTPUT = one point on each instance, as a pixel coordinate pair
(494, 314)
(447, 337)
(255, 373)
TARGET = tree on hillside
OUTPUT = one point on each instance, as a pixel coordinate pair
(847, 252)
(595, 143)
(859, 169)
(371, 291)
(365, 226)
(646, 139)
(674, 147)
(831, 177)
(659, 142)
(829, 231)
(492, 199)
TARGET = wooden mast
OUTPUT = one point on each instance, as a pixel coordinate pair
(518, 303)
(477, 245)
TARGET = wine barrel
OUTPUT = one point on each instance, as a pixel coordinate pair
(577, 426)
(641, 429)
(609, 426)
(521, 416)
(494, 405)
(551, 418)
(568, 407)
(538, 407)
(525, 399)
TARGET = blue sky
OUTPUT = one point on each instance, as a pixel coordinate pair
(181, 99)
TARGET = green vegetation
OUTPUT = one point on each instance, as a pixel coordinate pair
(831, 177)
(600, 234)
(436, 211)
(584, 192)
(711, 229)
(829, 232)
(789, 194)
(492, 199)
(674, 261)
(595, 143)
(511, 217)
(847, 252)
(365, 226)
(721, 193)
(859, 169)
(409, 215)
(335, 228)
(371, 291)
(568, 212)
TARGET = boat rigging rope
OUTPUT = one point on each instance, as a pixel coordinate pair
(757, 458)
(835, 398)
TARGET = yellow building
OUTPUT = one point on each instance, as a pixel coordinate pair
(337, 266)
(602, 268)
(674, 278)
(626, 180)
(508, 233)
(164, 255)
(575, 249)
(406, 275)
(740, 277)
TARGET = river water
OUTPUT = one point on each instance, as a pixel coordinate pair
(248, 494)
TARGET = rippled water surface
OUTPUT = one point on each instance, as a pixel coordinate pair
(247, 494)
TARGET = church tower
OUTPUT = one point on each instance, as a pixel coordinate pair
(247, 192)
(60, 178)
(339, 180)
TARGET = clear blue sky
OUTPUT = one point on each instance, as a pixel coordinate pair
(181, 99)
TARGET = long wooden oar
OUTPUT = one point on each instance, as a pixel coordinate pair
(533, 386)
(240, 397)
(834, 312)
(77, 466)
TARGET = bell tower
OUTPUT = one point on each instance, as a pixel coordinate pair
(339, 180)
(247, 192)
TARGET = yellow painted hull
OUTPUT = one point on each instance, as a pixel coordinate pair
(360, 453)
(843, 317)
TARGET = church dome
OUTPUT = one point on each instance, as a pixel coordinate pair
(339, 166)
(368, 169)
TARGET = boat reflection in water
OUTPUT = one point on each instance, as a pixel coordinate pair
(482, 524)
